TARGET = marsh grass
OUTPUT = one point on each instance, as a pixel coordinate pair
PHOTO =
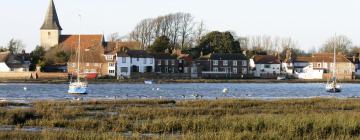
(188, 119)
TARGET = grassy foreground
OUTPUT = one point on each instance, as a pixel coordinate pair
(167, 119)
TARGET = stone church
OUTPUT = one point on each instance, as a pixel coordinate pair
(91, 47)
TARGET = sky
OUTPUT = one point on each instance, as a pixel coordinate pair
(310, 22)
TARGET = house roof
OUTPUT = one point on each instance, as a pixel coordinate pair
(163, 56)
(51, 21)
(70, 41)
(89, 55)
(4, 56)
(303, 59)
(135, 54)
(114, 47)
(266, 59)
(232, 56)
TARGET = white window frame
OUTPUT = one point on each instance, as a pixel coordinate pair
(172, 62)
(235, 70)
(145, 60)
(166, 62)
(216, 69)
(215, 62)
(151, 61)
(244, 63)
(123, 59)
(225, 63)
(235, 63)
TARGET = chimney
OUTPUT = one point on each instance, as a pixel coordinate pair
(244, 53)
(354, 59)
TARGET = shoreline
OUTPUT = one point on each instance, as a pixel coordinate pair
(177, 81)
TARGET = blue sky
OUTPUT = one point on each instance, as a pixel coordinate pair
(310, 22)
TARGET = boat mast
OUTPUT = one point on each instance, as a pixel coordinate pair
(78, 57)
(334, 67)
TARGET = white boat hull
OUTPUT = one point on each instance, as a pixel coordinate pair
(333, 89)
(77, 88)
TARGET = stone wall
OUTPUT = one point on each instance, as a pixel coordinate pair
(15, 75)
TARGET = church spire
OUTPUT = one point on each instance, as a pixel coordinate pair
(51, 20)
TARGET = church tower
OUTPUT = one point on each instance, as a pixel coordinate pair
(50, 31)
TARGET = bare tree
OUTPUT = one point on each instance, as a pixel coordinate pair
(178, 27)
(15, 46)
(341, 43)
(114, 37)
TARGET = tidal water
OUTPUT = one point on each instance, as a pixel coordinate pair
(175, 91)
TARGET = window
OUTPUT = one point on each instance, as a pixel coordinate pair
(159, 62)
(144, 60)
(244, 70)
(111, 71)
(325, 65)
(244, 63)
(186, 70)
(166, 70)
(172, 62)
(111, 64)
(166, 62)
(73, 65)
(138, 59)
(216, 69)
(124, 69)
(225, 62)
(123, 59)
(215, 62)
(151, 61)
(267, 66)
(180, 61)
(234, 63)
(319, 65)
(235, 70)
(87, 64)
(109, 57)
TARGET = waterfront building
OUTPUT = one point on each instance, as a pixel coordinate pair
(235, 65)
(265, 66)
(132, 62)
(10, 62)
(166, 63)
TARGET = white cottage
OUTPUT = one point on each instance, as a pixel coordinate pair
(14, 63)
(266, 66)
(134, 61)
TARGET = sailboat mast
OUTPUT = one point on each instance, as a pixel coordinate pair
(334, 67)
(79, 52)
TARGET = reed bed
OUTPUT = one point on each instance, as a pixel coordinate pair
(185, 119)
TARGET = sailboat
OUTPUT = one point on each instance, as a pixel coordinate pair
(332, 85)
(78, 86)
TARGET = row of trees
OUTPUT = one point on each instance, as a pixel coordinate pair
(180, 28)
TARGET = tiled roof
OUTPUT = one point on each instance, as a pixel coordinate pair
(114, 47)
(323, 57)
(69, 42)
(163, 56)
(233, 56)
(266, 59)
(135, 54)
(89, 55)
(303, 59)
(4, 56)
(92, 48)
